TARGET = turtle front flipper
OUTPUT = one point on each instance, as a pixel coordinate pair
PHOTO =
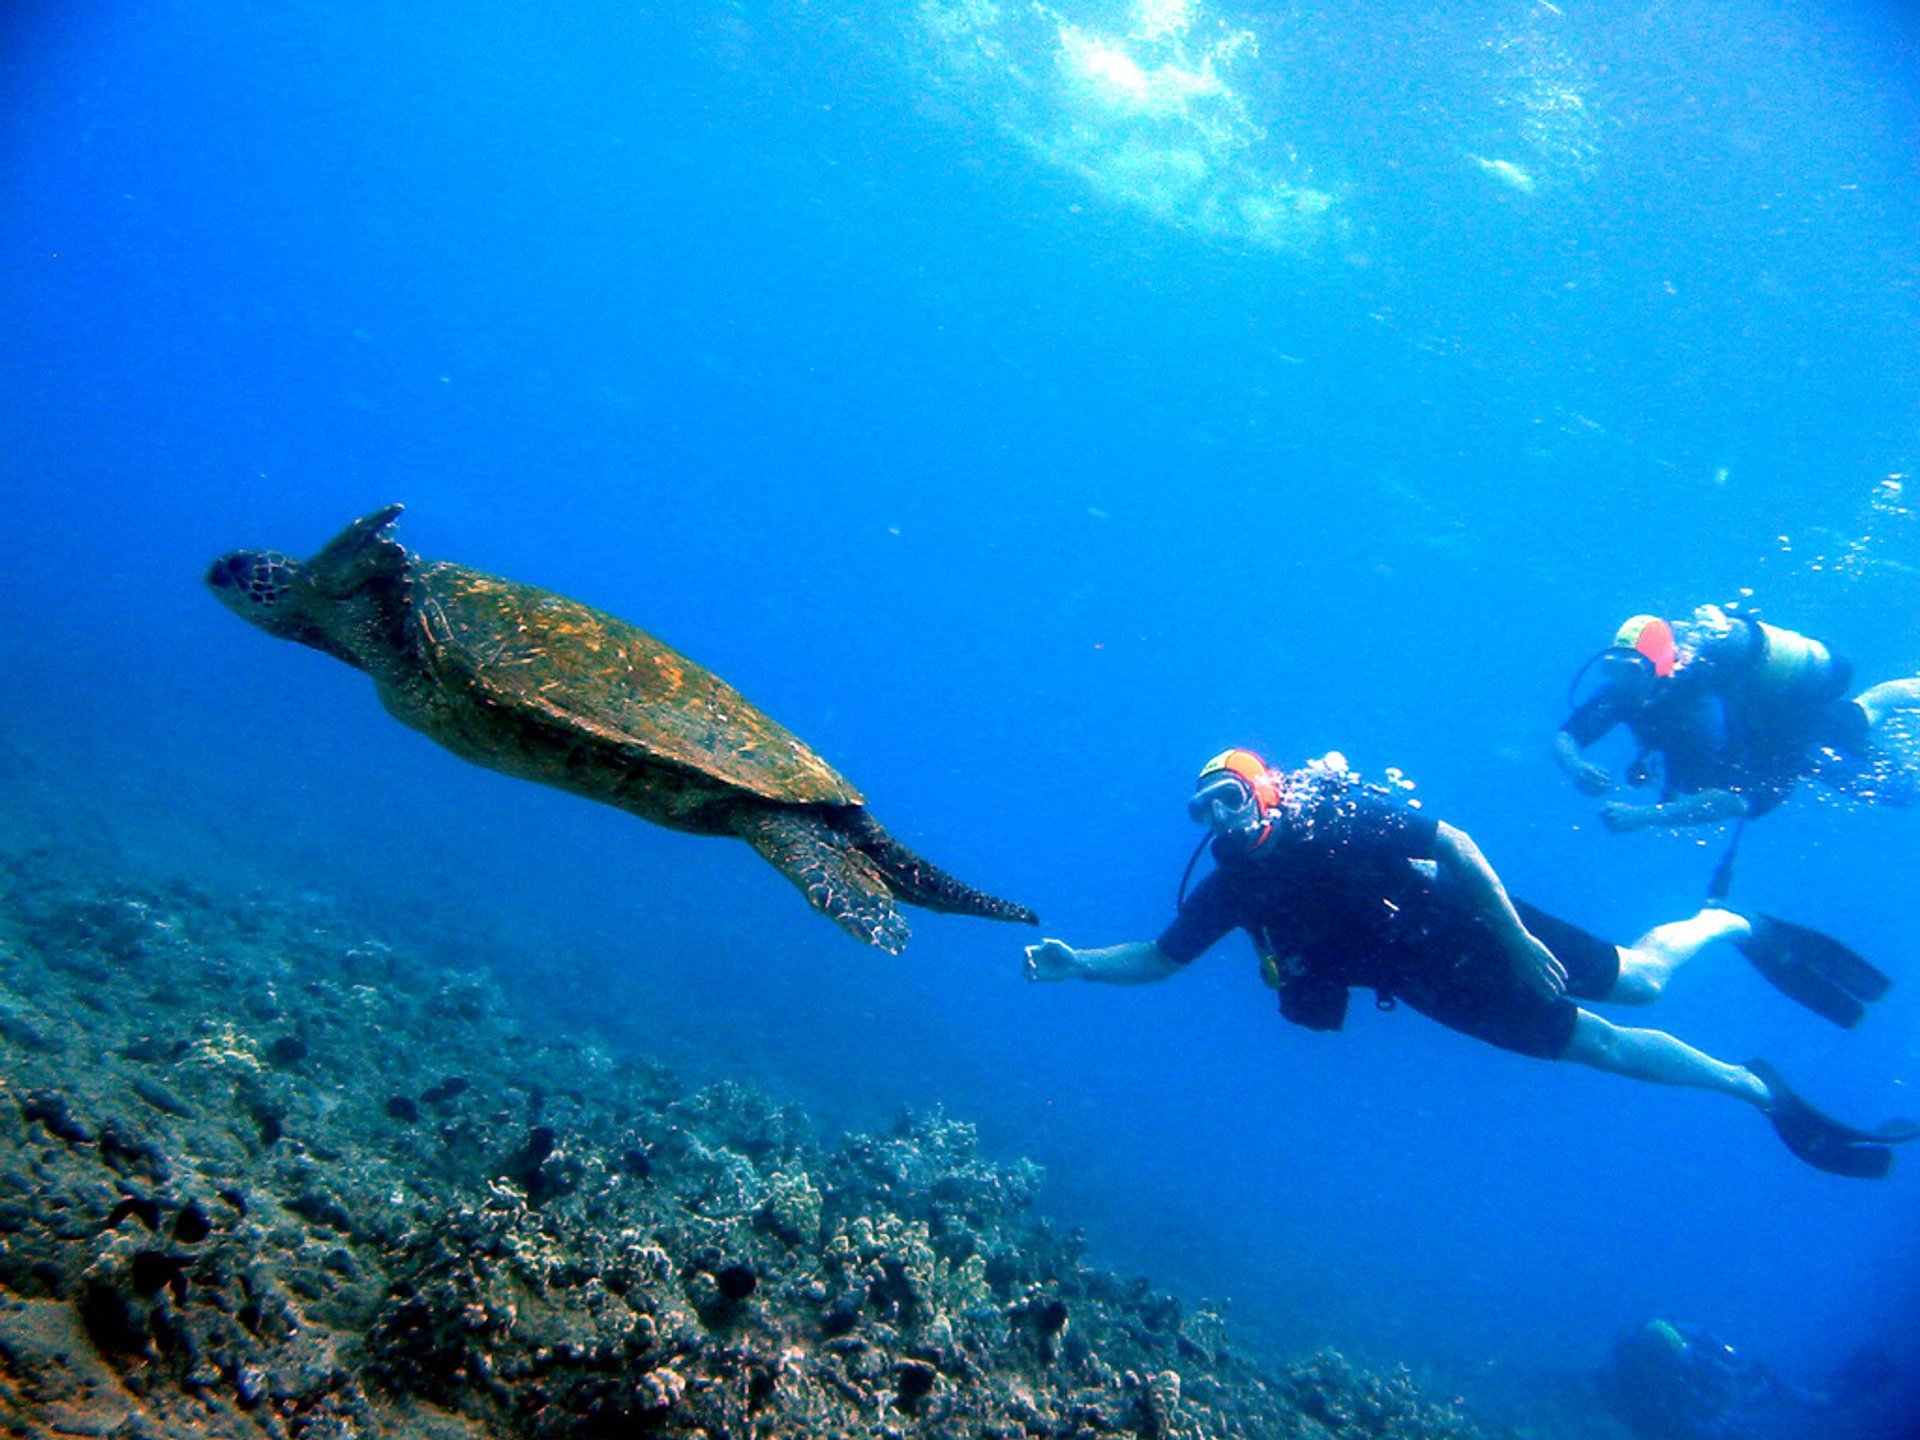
(837, 879)
(363, 554)
(921, 882)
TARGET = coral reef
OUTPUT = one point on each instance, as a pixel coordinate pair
(263, 1176)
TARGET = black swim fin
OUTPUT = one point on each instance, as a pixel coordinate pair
(1814, 969)
(1829, 1144)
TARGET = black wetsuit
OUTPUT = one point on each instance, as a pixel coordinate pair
(1715, 725)
(1335, 899)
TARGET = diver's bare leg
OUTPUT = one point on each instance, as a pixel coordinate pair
(1660, 1059)
(1648, 963)
(1882, 700)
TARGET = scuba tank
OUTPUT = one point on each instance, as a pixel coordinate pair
(1769, 664)
(1796, 668)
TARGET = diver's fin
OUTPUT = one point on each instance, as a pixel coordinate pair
(1829, 1144)
(1796, 982)
(1827, 957)
(1814, 969)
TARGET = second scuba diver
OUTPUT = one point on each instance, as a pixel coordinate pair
(1729, 712)
(1343, 884)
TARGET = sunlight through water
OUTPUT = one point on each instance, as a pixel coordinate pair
(1144, 108)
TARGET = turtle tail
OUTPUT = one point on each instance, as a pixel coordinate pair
(920, 882)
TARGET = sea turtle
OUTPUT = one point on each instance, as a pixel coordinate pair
(536, 685)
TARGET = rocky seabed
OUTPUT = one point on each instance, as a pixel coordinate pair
(261, 1175)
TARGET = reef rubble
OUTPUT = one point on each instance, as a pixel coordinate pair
(263, 1176)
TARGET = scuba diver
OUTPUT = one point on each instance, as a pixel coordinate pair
(1729, 712)
(1340, 884)
(1680, 1382)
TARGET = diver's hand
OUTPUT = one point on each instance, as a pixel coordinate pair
(1621, 817)
(1052, 960)
(1538, 968)
(1591, 779)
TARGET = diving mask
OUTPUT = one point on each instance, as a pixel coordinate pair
(1225, 805)
(1236, 798)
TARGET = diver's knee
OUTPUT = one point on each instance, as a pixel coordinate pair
(1593, 1042)
(1882, 700)
(1642, 977)
(1649, 963)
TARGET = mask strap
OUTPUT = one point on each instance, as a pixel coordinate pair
(1573, 688)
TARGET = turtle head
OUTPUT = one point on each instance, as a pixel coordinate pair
(273, 591)
(348, 600)
(260, 586)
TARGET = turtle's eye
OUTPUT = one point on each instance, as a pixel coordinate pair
(243, 568)
(261, 576)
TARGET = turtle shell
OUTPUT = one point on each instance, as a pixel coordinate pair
(526, 652)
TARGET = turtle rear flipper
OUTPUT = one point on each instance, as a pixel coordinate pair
(837, 879)
(920, 882)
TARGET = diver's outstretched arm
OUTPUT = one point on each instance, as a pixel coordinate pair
(1706, 807)
(1137, 962)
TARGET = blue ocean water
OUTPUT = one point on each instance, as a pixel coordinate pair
(1023, 402)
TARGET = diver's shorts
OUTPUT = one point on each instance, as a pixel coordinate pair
(1480, 996)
